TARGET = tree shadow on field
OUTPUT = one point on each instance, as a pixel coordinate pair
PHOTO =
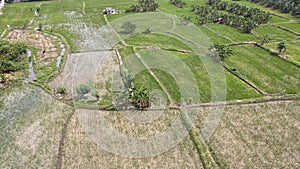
(126, 33)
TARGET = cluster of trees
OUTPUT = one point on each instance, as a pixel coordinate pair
(143, 6)
(138, 96)
(178, 3)
(285, 6)
(238, 16)
(11, 56)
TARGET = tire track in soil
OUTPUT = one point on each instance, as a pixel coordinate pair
(62, 140)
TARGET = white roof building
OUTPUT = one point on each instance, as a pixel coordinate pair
(1, 3)
(109, 11)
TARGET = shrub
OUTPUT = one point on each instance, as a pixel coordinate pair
(61, 90)
(128, 27)
(82, 90)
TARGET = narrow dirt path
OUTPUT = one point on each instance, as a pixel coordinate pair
(115, 32)
(83, 7)
(245, 81)
(225, 37)
(172, 102)
(62, 141)
(1, 4)
(288, 30)
(3, 33)
(245, 102)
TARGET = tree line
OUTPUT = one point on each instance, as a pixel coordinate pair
(285, 6)
(178, 3)
(232, 14)
(143, 6)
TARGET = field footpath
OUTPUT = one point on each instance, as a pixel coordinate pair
(155, 77)
(245, 81)
(205, 155)
(142, 61)
(225, 37)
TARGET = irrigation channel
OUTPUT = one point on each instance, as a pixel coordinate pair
(32, 75)
(32, 60)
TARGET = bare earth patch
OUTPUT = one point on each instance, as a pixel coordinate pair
(47, 48)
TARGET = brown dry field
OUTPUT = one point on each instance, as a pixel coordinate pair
(30, 128)
(248, 136)
(82, 152)
(262, 135)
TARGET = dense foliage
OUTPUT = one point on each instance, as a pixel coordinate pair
(12, 56)
(178, 3)
(285, 6)
(238, 16)
(143, 6)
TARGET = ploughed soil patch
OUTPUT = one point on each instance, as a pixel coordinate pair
(47, 47)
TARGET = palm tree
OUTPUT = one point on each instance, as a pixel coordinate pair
(281, 47)
(223, 51)
(139, 97)
(247, 26)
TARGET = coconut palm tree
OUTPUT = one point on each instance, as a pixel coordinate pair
(281, 47)
(223, 51)
(247, 26)
(139, 97)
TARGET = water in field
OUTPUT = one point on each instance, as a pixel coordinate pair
(32, 74)
(62, 53)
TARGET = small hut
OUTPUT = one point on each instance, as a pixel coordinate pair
(220, 20)
(109, 11)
